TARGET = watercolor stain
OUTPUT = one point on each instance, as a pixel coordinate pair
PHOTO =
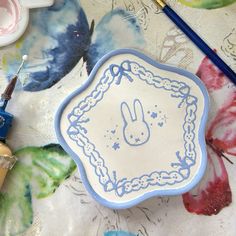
(118, 233)
(39, 172)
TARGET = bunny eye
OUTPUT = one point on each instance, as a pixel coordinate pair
(142, 133)
(131, 136)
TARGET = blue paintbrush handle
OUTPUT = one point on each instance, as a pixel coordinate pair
(200, 44)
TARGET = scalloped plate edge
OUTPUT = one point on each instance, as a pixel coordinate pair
(201, 133)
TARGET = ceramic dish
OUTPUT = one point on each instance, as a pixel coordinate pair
(14, 18)
(135, 129)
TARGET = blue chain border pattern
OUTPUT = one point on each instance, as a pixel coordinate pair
(114, 75)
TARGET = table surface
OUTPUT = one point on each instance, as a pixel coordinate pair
(44, 195)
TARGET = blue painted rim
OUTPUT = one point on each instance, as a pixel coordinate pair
(201, 132)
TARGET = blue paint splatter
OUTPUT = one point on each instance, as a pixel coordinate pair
(118, 233)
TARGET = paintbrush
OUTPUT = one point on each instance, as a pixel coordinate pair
(7, 160)
(197, 40)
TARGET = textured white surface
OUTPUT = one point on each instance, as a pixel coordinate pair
(70, 211)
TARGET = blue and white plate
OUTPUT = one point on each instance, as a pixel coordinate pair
(135, 129)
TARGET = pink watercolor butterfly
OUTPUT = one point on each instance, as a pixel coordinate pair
(212, 77)
(214, 193)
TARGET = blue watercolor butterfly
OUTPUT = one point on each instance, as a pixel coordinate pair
(60, 36)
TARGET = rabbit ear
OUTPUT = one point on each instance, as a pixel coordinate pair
(138, 110)
(125, 112)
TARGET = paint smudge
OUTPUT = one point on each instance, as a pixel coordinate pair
(9, 16)
(109, 35)
(207, 4)
(118, 233)
(39, 173)
(212, 77)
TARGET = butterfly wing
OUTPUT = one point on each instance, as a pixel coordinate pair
(174, 50)
(38, 174)
(117, 29)
(140, 10)
(222, 132)
(229, 47)
(55, 41)
(212, 77)
(213, 193)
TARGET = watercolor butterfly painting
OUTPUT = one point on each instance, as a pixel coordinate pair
(64, 42)
(56, 50)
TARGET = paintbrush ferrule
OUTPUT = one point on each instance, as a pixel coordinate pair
(9, 89)
(160, 3)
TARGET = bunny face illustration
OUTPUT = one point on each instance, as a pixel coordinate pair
(135, 130)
